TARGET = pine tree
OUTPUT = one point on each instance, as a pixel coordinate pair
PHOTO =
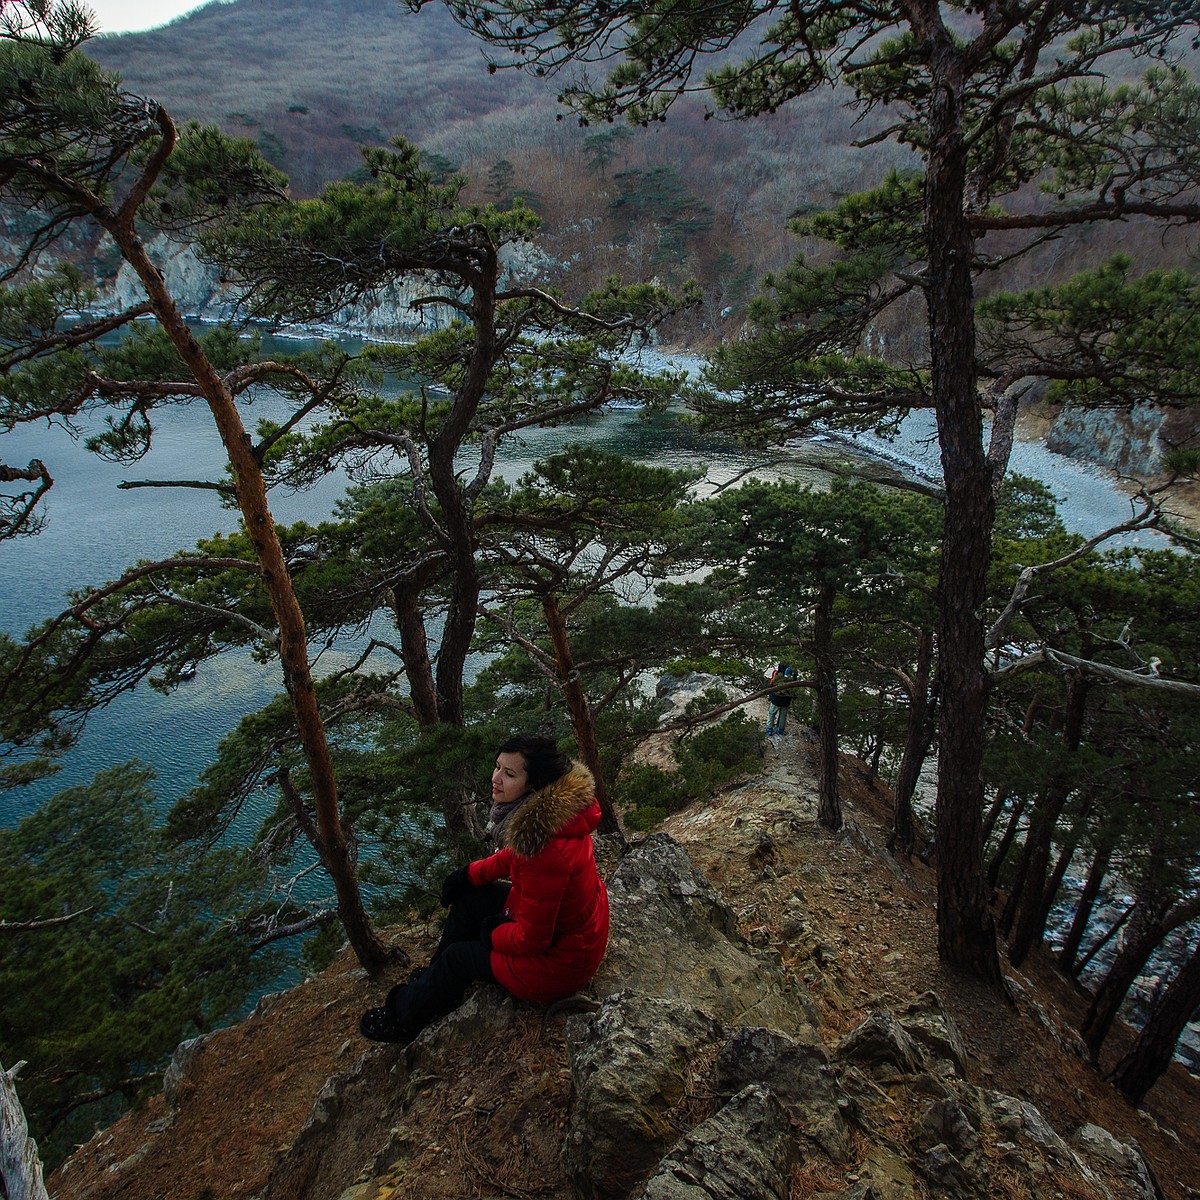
(992, 102)
(75, 149)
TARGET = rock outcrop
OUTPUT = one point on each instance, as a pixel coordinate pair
(703, 1073)
(718, 1054)
(202, 293)
(1131, 441)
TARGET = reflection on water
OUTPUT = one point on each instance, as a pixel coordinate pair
(95, 530)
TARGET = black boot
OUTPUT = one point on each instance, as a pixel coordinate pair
(379, 1025)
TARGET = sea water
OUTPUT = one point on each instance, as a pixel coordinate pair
(94, 530)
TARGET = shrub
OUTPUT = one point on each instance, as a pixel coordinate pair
(707, 761)
(648, 794)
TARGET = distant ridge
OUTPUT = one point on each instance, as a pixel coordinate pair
(311, 80)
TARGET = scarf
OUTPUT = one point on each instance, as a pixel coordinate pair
(499, 815)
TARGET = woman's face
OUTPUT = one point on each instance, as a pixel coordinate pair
(509, 780)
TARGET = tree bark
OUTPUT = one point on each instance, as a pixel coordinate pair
(20, 1167)
(1006, 841)
(993, 813)
(457, 533)
(580, 712)
(414, 651)
(1150, 923)
(1068, 955)
(1154, 1048)
(1032, 902)
(1060, 871)
(829, 806)
(1008, 915)
(457, 501)
(917, 741)
(966, 932)
(293, 642)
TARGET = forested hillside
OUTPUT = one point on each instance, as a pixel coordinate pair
(692, 197)
(312, 82)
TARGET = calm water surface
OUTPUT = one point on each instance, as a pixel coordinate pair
(94, 531)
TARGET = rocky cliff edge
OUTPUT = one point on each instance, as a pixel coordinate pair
(771, 1022)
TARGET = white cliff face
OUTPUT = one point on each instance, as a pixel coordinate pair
(199, 291)
(1131, 442)
(392, 313)
(195, 285)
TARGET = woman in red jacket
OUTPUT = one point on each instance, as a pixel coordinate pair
(541, 935)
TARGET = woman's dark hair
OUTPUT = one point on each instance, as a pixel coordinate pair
(544, 761)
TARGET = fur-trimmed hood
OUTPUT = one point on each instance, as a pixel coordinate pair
(548, 811)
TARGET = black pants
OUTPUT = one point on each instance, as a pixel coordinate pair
(461, 959)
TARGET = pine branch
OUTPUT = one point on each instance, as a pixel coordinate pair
(16, 512)
(1146, 519)
(77, 335)
(80, 610)
(14, 927)
(1046, 656)
(272, 931)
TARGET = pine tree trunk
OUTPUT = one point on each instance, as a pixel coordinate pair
(829, 806)
(1033, 902)
(457, 522)
(414, 651)
(1149, 926)
(1143, 934)
(1069, 954)
(580, 711)
(1060, 872)
(456, 501)
(917, 741)
(20, 1167)
(1154, 1048)
(293, 642)
(993, 813)
(1006, 841)
(966, 932)
(1018, 884)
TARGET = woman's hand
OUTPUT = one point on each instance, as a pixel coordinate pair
(456, 885)
(489, 925)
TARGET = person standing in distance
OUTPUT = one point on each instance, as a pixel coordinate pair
(778, 703)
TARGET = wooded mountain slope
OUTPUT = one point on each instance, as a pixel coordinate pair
(311, 82)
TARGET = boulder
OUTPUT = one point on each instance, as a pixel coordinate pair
(354, 1119)
(952, 1157)
(175, 1076)
(745, 1152)
(800, 1076)
(674, 936)
(881, 1046)
(630, 1065)
(1099, 1146)
(927, 1022)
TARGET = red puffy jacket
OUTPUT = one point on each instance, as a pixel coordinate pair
(558, 904)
